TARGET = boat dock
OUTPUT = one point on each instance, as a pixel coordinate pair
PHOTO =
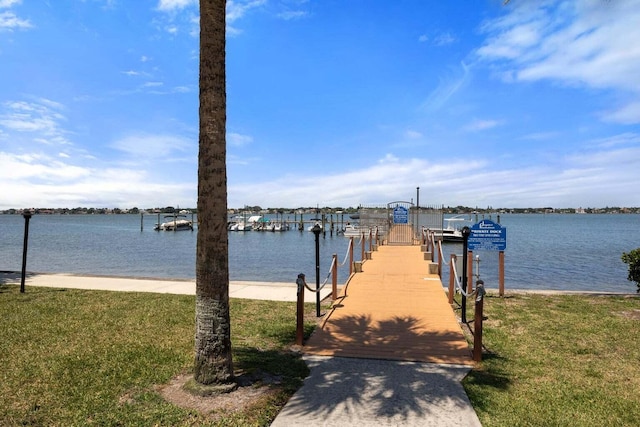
(390, 351)
(395, 309)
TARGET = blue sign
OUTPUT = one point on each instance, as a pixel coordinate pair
(487, 236)
(400, 215)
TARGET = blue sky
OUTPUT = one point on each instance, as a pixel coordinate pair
(330, 103)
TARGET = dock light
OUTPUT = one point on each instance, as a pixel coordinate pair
(316, 230)
(27, 216)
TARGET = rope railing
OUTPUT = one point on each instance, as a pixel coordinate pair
(346, 256)
(333, 271)
(441, 254)
(479, 293)
(459, 286)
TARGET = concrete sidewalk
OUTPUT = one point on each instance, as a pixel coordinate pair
(271, 291)
(350, 392)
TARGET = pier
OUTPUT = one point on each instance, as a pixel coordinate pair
(395, 309)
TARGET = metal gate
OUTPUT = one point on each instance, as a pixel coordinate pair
(400, 223)
(401, 230)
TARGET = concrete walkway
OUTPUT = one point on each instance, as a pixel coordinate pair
(350, 392)
(272, 291)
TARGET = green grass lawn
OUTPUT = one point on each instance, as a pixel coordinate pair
(76, 358)
(559, 360)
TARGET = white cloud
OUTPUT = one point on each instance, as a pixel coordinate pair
(444, 39)
(447, 88)
(172, 5)
(147, 146)
(581, 43)
(541, 136)
(43, 181)
(42, 117)
(412, 134)
(8, 3)
(239, 140)
(598, 177)
(37, 167)
(627, 115)
(292, 14)
(236, 10)
(478, 125)
(10, 21)
(628, 138)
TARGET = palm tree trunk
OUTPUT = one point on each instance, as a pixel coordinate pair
(213, 361)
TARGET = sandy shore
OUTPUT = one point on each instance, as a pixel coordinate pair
(273, 291)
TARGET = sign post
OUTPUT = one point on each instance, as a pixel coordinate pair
(489, 236)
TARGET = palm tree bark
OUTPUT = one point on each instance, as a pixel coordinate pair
(213, 361)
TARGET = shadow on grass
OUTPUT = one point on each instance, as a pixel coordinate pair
(270, 367)
(12, 278)
(490, 375)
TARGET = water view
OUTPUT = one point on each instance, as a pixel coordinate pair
(564, 252)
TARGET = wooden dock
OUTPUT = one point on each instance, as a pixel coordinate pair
(393, 310)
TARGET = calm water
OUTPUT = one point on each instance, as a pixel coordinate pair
(566, 252)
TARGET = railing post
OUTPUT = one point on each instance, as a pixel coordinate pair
(334, 278)
(440, 258)
(370, 240)
(477, 323)
(452, 278)
(300, 310)
(433, 244)
(350, 256)
(362, 243)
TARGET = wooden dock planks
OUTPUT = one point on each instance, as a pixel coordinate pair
(393, 310)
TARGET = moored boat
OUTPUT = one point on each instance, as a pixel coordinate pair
(450, 233)
(176, 224)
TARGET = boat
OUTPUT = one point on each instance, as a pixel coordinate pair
(176, 224)
(311, 227)
(281, 226)
(354, 230)
(241, 223)
(450, 233)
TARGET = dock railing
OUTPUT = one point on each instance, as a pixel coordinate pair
(479, 293)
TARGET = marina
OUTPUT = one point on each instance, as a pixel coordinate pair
(544, 252)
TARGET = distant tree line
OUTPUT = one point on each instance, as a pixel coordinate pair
(326, 209)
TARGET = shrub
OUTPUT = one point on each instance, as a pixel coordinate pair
(633, 260)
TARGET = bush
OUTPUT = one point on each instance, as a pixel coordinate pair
(633, 259)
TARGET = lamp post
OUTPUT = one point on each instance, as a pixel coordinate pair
(316, 230)
(27, 216)
(417, 210)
